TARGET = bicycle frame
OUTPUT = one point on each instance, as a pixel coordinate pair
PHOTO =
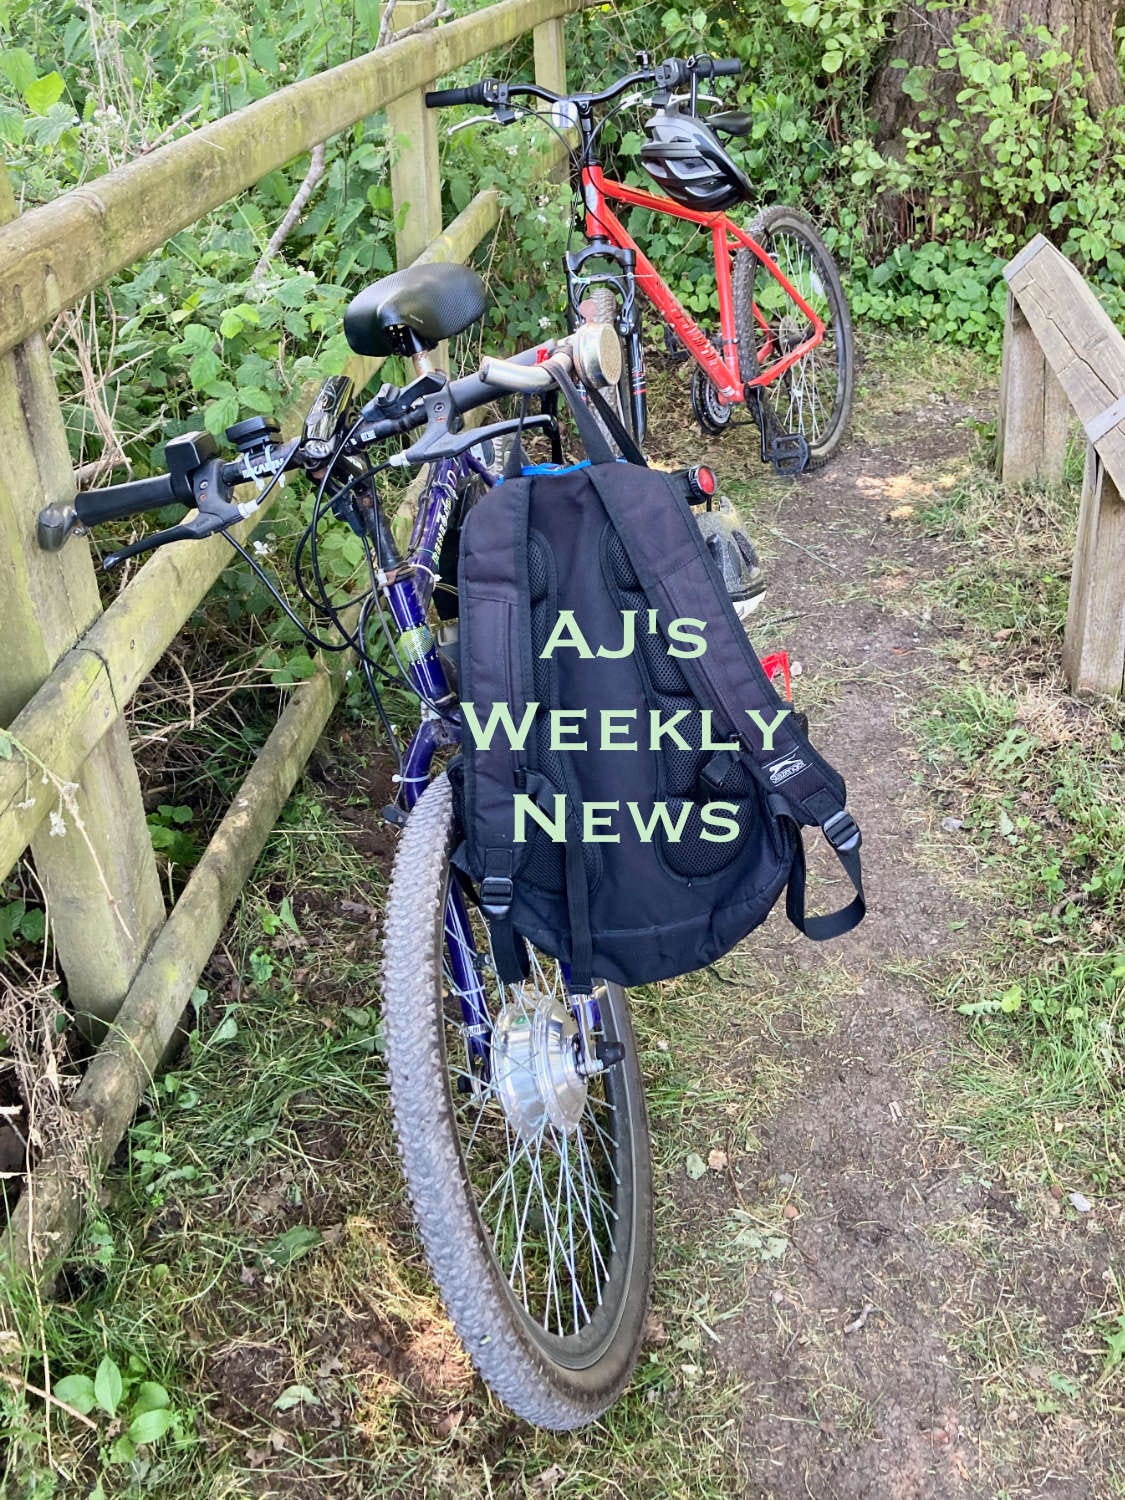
(720, 366)
(427, 674)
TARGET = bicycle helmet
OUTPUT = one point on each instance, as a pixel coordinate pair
(685, 159)
(734, 554)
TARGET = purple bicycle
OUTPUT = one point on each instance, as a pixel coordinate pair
(519, 1113)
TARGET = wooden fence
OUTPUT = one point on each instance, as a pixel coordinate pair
(1062, 352)
(69, 670)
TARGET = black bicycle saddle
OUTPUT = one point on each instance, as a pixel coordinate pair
(730, 122)
(413, 310)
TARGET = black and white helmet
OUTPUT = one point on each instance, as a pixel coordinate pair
(685, 159)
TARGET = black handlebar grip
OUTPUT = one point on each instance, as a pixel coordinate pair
(120, 500)
(439, 98)
(725, 67)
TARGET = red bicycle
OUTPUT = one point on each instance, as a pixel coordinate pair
(784, 345)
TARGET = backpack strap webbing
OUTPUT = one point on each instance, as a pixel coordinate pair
(678, 576)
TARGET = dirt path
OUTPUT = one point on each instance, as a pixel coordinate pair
(896, 1353)
(849, 1302)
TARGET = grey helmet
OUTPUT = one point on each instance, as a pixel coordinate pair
(684, 158)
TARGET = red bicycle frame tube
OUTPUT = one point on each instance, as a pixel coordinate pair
(722, 368)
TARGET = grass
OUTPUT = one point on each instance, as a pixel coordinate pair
(1029, 781)
(252, 1251)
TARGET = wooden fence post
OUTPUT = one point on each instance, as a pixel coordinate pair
(412, 132)
(1094, 645)
(549, 41)
(102, 889)
(1034, 412)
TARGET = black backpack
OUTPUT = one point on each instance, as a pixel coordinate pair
(705, 821)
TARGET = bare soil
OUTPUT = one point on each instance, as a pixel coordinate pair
(880, 1360)
(910, 1342)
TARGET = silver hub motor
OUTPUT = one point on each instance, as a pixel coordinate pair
(535, 1067)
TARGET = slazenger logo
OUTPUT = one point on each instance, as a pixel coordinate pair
(784, 769)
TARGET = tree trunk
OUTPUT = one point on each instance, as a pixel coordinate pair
(1083, 28)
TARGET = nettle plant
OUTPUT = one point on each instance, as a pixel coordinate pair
(1022, 151)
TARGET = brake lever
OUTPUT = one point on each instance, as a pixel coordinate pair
(186, 531)
(487, 119)
(214, 512)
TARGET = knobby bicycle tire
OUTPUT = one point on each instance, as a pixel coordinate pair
(452, 1137)
(813, 397)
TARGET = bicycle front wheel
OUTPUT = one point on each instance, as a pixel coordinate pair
(814, 396)
(531, 1184)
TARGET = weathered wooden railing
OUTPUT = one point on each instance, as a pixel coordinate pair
(1062, 351)
(68, 668)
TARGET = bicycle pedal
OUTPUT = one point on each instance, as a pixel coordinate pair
(673, 348)
(392, 813)
(788, 452)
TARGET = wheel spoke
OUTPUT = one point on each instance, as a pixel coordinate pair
(811, 397)
(515, 1161)
(547, 1196)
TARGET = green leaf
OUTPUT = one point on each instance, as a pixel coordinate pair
(1011, 1000)
(150, 1397)
(33, 925)
(695, 1166)
(263, 50)
(18, 66)
(108, 1386)
(76, 1391)
(294, 1243)
(45, 91)
(151, 1425)
(226, 1030)
(204, 368)
(124, 1451)
(296, 1395)
(832, 61)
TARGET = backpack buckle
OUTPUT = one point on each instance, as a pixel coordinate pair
(496, 892)
(842, 831)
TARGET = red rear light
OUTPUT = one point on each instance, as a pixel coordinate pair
(701, 482)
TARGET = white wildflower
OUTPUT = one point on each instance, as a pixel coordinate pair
(25, 805)
(544, 322)
(58, 827)
(262, 549)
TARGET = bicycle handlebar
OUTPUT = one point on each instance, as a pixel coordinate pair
(472, 391)
(440, 98)
(120, 500)
(192, 457)
(492, 93)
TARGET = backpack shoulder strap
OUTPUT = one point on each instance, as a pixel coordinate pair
(495, 669)
(593, 438)
(670, 558)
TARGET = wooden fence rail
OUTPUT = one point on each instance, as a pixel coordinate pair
(69, 670)
(1061, 349)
